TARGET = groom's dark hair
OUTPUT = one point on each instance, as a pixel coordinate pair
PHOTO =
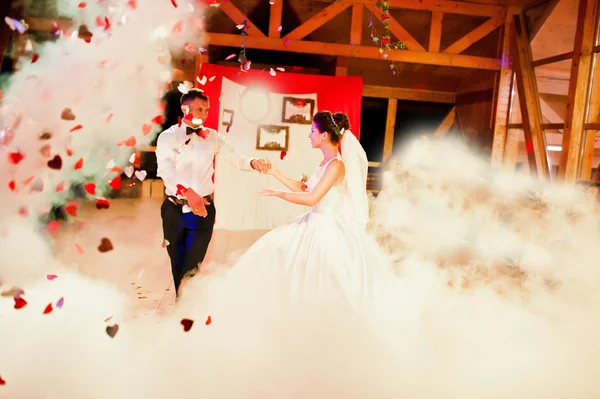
(341, 119)
(192, 95)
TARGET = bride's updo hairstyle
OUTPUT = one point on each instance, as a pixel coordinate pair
(341, 119)
(324, 121)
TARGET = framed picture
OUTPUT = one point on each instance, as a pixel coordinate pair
(227, 117)
(298, 110)
(272, 138)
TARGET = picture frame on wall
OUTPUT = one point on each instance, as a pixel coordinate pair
(298, 110)
(227, 117)
(272, 137)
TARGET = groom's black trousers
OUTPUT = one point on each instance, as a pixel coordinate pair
(188, 236)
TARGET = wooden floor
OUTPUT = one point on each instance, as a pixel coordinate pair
(138, 265)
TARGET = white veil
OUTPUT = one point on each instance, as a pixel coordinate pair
(357, 168)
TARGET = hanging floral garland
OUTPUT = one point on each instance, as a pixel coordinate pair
(385, 39)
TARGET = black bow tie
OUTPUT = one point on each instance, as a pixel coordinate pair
(190, 130)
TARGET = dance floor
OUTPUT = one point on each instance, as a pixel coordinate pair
(138, 265)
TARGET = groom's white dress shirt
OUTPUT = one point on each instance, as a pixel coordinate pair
(191, 164)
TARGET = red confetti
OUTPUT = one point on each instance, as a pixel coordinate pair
(12, 185)
(71, 208)
(116, 169)
(105, 245)
(55, 163)
(174, 3)
(100, 21)
(68, 151)
(179, 121)
(132, 4)
(51, 276)
(2, 382)
(83, 4)
(90, 188)
(78, 127)
(23, 211)
(180, 189)
(162, 106)
(178, 27)
(208, 320)
(158, 120)
(78, 165)
(146, 129)
(108, 24)
(79, 249)
(115, 183)
(28, 180)
(20, 303)
(55, 30)
(130, 142)
(187, 324)
(109, 118)
(15, 157)
(282, 155)
(188, 117)
(529, 146)
(60, 187)
(48, 309)
(53, 225)
(35, 57)
(102, 204)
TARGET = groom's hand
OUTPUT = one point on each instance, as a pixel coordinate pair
(260, 165)
(196, 203)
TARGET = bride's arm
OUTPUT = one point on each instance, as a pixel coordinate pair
(294, 185)
(334, 173)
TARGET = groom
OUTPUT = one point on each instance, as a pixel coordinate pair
(185, 154)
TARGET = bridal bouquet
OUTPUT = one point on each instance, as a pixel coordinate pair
(304, 179)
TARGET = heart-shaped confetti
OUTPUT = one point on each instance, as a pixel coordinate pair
(20, 303)
(55, 163)
(115, 183)
(282, 155)
(208, 320)
(187, 324)
(90, 188)
(105, 245)
(12, 185)
(71, 208)
(67, 115)
(112, 330)
(53, 225)
(51, 276)
(158, 120)
(15, 157)
(146, 129)
(48, 309)
(60, 187)
(140, 174)
(80, 250)
(102, 203)
(78, 165)
(60, 303)
(129, 171)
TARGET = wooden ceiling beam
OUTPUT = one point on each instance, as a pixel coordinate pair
(348, 50)
(579, 90)
(475, 35)
(435, 31)
(537, 151)
(536, 26)
(590, 135)
(444, 6)
(238, 18)
(318, 20)
(275, 13)
(409, 94)
(446, 124)
(398, 31)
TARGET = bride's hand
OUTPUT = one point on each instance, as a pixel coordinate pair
(267, 192)
(272, 169)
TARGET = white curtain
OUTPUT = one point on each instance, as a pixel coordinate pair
(237, 208)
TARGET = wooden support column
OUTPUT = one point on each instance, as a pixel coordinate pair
(238, 18)
(435, 32)
(275, 19)
(512, 151)
(590, 135)
(535, 139)
(504, 95)
(579, 90)
(390, 129)
(356, 25)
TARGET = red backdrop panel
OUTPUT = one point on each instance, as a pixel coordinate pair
(334, 93)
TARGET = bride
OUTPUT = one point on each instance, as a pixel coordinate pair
(324, 254)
